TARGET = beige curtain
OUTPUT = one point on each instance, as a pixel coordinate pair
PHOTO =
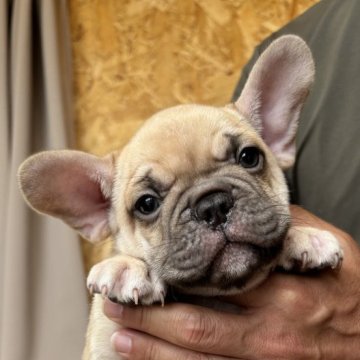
(43, 307)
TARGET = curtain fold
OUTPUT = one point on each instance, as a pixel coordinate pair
(43, 306)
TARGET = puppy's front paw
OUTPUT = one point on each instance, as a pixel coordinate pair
(308, 248)
(127, 280)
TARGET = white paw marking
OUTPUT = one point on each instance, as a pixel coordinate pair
(310, 248)
(125, 279)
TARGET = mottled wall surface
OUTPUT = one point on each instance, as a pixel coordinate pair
(134, 57)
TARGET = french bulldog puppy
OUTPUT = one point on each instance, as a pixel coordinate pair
(197, 200)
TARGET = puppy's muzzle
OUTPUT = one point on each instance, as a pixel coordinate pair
(213, 208)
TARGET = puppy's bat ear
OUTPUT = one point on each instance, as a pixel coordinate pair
(275, 92)
(71, 185)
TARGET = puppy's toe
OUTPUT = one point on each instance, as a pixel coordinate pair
(308, 248)
(125, 280)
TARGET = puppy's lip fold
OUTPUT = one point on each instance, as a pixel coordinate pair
(229, 264)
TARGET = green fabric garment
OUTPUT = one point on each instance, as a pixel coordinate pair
(326, 177)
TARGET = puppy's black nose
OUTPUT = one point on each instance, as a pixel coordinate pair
(213, 208)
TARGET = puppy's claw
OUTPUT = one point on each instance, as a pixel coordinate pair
(104, 291)
(337, 262)
(136, 296)
(304, 260)
(162, 298)
(91, 289)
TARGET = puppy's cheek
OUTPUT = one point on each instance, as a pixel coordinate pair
(258, 219)
(200, 246)
(191, 251)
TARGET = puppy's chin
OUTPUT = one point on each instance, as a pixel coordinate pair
(237, 266)
(239, 263)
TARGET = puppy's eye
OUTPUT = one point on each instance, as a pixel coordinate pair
(249, 157)
(147, 204)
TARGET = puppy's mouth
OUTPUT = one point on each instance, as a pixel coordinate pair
(224, 264)
(236, 263)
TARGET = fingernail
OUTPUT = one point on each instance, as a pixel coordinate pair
(121, 342)
(113, 310)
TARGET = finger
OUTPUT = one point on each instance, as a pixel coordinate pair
(192, 327)
(135, 345)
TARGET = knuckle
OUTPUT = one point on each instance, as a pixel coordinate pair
(197, 356)
(196, 330)
(151, 352)
(295, 297)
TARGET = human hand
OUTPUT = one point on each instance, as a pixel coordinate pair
(287, 317)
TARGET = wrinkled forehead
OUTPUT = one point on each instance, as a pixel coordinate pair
(183, 141)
